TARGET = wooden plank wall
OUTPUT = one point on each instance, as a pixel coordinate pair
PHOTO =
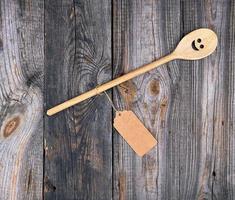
(53, 50)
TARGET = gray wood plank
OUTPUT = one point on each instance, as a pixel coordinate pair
(207, 152)
(140, 36)
(78, 141)
(217, 146)
(187, 105)
(21, 99)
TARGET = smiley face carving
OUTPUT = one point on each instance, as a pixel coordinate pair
(197, 44)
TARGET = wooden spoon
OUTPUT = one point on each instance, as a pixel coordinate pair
(193, 46)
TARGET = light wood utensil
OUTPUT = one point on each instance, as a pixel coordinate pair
(195, 45)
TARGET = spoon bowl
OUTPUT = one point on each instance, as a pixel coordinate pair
(196, 44)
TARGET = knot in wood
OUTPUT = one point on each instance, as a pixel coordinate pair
(154, 87)
(11, 126)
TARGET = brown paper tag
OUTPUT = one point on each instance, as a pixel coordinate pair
(134, 132)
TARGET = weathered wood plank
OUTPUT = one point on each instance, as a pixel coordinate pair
(187, 105)
(140, 36)
(204, 105)
(226, 165)
(78, 141)
(21, 99)
(217, 166)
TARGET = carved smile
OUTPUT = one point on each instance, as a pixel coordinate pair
(194, 46)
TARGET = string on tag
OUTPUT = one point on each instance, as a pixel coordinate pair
(110, 101)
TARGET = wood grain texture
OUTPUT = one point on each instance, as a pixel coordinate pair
(78, 141)
(21, 99)
(187, 105)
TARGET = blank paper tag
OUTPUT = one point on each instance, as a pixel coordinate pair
(134, 132)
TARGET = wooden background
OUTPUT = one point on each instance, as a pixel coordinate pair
(52, 50)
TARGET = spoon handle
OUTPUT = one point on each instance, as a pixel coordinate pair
(110, 84)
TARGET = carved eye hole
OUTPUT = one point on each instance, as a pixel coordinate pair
(199, 40)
